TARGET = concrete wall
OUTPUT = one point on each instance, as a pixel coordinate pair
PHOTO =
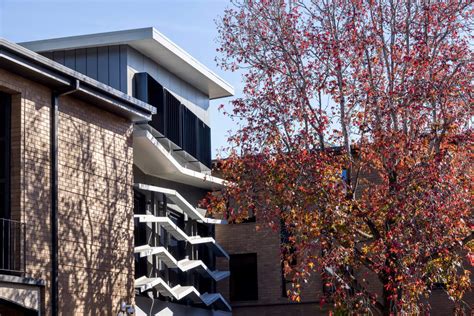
(95, 197)
(191, 97)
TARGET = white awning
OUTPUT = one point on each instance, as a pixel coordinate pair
(215, 299)
(184, 265)
(181, 204)
(179, 234)
(179, 292)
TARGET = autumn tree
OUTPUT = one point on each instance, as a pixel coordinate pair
(335, 90)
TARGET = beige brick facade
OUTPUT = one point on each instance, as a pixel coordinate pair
(95, 199)
(244, 238)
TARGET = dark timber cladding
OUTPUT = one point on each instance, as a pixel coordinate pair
(107, 64)
(173, 119)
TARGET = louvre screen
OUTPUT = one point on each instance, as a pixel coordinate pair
(190, 132)
(151, 91)
(204, 139)
(174, 120)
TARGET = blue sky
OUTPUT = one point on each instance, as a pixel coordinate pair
(189, 23)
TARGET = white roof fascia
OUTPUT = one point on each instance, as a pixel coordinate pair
(151, 43)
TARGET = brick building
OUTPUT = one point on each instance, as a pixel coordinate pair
(105, 151)
(257, 287)
(104, 155)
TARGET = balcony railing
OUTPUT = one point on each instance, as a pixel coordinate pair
(12, 242)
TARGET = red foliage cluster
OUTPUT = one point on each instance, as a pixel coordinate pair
(392, 79)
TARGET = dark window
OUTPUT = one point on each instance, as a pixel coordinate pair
(7, 231)
(5, 109)
(177, 248)
(243, 277)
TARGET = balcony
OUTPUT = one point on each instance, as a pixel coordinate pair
(12, 240)
(157, 156)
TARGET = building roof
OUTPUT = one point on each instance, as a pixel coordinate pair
(152, 44)
(29, 64)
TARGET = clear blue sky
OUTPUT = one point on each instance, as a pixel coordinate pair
(189, 23)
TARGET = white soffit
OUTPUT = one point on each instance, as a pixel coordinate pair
(152, 44)
(153, 158)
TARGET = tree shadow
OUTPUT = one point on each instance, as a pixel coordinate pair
(95, 210)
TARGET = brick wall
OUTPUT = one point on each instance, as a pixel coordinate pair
(244, 238)
(95, 197)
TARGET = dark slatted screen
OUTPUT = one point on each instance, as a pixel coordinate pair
(139, 201)
(174, 120)
(190, 132)
(204, 139)
(151, 91)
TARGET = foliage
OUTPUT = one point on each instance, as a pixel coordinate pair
(381, 89)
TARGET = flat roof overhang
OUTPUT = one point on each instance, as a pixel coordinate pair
(153, 159)
(33, 66)
(152, 44)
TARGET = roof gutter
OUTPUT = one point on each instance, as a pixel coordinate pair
(31, 65)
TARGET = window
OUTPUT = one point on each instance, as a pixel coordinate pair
(5, 105)
(243, 277)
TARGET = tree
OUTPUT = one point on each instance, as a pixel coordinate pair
(354, 87)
